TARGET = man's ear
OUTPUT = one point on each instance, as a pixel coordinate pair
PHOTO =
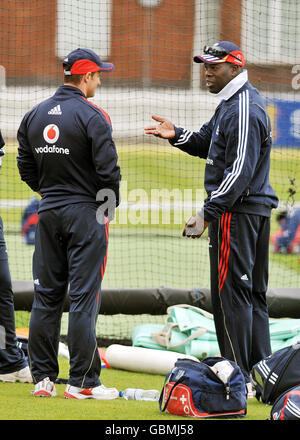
(87, 76)
(235, 70)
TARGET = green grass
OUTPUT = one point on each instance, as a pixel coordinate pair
(139, 256)
(148, 254)
(159, 166)
(285, 167)
(156, 167)
(21, 405)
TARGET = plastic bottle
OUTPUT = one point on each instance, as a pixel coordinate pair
(139, 394)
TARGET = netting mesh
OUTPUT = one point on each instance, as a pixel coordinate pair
(151, 43)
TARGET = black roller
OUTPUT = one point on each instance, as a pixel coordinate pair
(282, 302)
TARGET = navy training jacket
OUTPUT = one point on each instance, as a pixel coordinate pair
(66, 150)
(236, 144)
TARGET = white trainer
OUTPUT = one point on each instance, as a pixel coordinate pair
(23, 375)
(99, 393)
(44, 388)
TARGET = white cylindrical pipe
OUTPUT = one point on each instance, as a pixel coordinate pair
(144, 360)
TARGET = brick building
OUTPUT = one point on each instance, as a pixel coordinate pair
(149, 45)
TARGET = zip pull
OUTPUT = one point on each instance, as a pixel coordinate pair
(227, 388)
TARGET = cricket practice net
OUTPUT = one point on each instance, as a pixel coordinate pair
(152, 44)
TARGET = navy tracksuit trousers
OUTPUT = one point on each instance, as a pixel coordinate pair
(239, 254)
(70, 250)
(12, 358)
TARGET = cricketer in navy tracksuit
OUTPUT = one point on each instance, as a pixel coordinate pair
(236, 144)
(66, 152)
(12, 357)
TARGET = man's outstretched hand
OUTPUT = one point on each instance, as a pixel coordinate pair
(165, 129)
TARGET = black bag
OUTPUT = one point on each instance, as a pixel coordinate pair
(213, 387)
(277, 373)
(287, 406)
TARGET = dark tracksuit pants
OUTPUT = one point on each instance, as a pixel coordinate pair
(239, 254)
(70, 248)
(12, 358)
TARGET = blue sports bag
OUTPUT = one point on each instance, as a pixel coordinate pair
(277, 373)
(287, 406)
(203, 389)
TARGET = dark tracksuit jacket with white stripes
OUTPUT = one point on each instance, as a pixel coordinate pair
(236, 144)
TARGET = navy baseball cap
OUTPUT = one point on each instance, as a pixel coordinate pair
(81, 61)
(222, 52)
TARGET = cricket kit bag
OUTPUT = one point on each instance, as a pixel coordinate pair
(287, 406)
(277, 373)
(213, 387)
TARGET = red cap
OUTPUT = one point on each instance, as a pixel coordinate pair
(82, 61)
(222, 52)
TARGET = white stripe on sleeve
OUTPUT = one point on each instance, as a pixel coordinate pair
(228, 182)
(184, 137)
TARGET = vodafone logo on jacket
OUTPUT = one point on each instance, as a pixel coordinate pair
(51, 133)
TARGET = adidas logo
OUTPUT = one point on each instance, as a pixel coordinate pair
(244, 277)
(55, 110)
